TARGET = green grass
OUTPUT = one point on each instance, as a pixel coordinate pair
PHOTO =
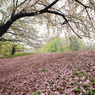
(36, 93)
(79, 73)
(93, 83)
(76, 72)
(77, 90)
(44, 70)
(62, 92)
(90, 92)
(17, 55)
(86, 86)
(46, 84)
(74, 83)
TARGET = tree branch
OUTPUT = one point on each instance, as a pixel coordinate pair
(90, 18)
(57, 13)
(12, 40)
(53, 3)
(74, 31)
(82, 4)
(20, 35)
(20, 15)
(16, 2)
(23, 2)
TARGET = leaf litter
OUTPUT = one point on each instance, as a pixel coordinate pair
(49, 74)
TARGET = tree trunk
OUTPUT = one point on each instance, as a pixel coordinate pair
(13, 50)
(5, 27)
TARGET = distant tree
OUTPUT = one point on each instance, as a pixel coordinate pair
(54, 45)
(5, 48)
(9, 48)
(74, 45)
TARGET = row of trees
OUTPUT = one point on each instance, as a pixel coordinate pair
(56, 44)
(73, 43)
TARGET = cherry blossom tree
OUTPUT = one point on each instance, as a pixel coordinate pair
(75, 16)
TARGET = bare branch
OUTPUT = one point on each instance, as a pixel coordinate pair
(90, 18)
(82, 4)
(74, 31)
(53, 3)
(16, 2)
(57, 13)
(23, 2)
(12, 40)
(21, 35)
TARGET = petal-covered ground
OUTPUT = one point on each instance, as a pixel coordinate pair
(49, 74)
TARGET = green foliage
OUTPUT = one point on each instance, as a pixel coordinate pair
(93, 83)
(37, 93)
(93, 80)
(46, 84)
(44, 70)
(72, 76)
(79, 73)
(62, 92)
(86, 86)
(74, 45)
(6, 48)
(69, 58)
(76, 72)
(74, 83)
(54, 46)
(70, 44)
(90, 92)
(64, 45)
(77, 90)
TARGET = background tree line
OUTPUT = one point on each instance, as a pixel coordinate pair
(55, 44)
(70, 44)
